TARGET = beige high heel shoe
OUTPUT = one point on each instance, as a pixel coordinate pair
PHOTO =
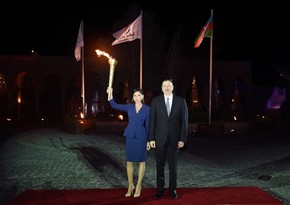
(130, 191)
(138, 191)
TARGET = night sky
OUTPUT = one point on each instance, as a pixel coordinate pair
(241, 30)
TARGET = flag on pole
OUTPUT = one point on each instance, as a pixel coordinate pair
(129, 33)
(206, 31)
(80, 42)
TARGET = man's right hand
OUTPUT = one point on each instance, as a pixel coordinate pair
(152, 144)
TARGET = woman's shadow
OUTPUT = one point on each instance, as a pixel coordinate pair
(107, 167)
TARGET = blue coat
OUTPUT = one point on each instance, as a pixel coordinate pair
(138, 123)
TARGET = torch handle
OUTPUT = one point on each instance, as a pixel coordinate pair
(112, 63)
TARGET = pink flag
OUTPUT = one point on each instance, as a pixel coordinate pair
(80, 43)
(129, 33)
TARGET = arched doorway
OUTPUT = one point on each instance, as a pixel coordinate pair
(24, 95)
(3, 98)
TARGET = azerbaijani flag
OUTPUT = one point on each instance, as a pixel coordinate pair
(206, 31)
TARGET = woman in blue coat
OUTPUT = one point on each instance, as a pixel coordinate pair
(136, 134)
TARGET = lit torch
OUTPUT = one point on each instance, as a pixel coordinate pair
(113, 62)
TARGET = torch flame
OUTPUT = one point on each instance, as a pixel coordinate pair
(102, 53)
(113, 62)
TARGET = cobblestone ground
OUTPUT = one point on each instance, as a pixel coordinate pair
(53, 159)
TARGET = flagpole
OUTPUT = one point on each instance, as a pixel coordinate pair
(141, 49)
(83, 76)
(210, 76)
(79, 55)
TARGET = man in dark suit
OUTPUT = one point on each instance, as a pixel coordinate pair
(167, 134)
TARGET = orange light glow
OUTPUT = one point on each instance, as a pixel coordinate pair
(121, 117)
(19, 99)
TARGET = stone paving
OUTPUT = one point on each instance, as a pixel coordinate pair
(54, 159)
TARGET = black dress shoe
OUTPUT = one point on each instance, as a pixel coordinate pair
(173, 194)
(158, 194)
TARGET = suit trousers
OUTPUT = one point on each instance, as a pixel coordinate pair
(169, 154)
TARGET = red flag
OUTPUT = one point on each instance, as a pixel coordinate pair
(206, 31)
(80, 42)
(129, 33)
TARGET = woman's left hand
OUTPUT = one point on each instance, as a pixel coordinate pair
(148, 146)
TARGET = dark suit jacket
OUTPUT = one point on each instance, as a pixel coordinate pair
(173, 127)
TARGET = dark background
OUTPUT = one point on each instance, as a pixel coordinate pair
(242, 31)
